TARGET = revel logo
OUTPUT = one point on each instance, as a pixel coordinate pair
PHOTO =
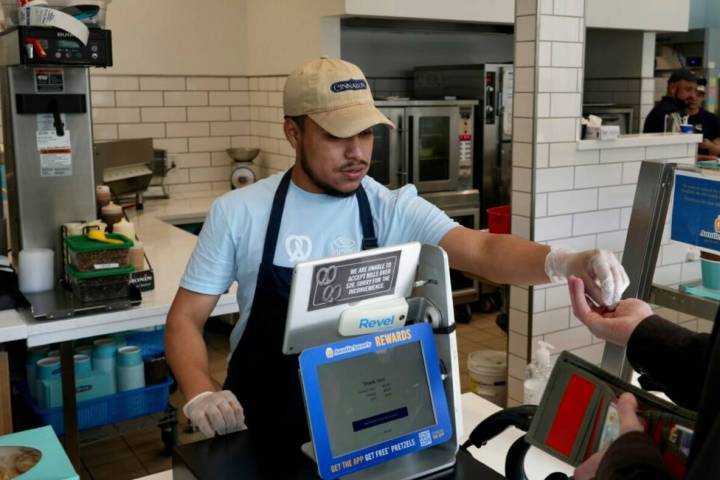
(350, 84)
(380, 323)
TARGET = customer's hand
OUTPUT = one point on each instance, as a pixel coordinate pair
(616, 325)
(629, 422)
(215, 412)
(605, 279)
(711, 147)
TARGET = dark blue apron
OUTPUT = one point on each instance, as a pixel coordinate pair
(265, 381)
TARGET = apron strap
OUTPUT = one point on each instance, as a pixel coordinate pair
(273, 228)
(366, 220)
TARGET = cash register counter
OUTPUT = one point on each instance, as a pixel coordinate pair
(219, 459)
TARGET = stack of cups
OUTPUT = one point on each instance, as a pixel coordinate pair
(84, 350)
(83, 367)
(130, 369)
(49, 394)
(103, 359)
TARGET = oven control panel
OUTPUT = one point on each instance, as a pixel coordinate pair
(465, 145)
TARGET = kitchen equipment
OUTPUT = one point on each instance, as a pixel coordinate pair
(88, 255)
(100, 285)
(242, 174)
(48, 132)
(160, 167)
(125, 166)
(430, 148)
(491, 85)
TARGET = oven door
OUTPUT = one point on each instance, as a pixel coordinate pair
(387, 165)
(433, 147)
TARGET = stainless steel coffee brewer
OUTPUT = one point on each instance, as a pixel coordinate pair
(47, 130)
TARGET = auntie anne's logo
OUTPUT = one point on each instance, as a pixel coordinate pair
(715, 235)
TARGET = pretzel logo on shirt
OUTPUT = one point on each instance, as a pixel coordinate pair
(298, 247)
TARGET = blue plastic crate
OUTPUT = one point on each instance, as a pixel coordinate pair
(103, 410)
(151, 342)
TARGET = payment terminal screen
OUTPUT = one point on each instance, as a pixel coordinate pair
(375, 397)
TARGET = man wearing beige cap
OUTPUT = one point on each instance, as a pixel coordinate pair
(324, 205)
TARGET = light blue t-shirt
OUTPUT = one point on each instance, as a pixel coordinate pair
(313, 226)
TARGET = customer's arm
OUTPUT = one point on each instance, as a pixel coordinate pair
(670, 355)
(184, 343)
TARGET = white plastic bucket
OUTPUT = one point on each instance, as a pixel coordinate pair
(488, 374)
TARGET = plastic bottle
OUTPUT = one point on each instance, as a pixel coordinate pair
(537, 374)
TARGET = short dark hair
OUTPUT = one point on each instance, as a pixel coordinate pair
(299, 119)
(682, 74)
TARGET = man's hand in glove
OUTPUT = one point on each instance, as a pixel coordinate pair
(604, 278)
(215, 412)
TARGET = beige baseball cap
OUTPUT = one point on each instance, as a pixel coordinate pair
(335, 94)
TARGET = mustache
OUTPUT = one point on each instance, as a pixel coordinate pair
(355, 164)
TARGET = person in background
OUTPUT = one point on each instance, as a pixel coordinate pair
(687, 367)
(255, 237)
(706, 123)
(681, 91)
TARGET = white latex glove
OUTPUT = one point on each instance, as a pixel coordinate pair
(604, 278)
(215, 412)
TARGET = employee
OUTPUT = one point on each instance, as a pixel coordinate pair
(324, 205)
(706, 123)
(681, 91)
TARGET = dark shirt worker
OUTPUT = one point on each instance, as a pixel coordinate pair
(681, 91)
(707, 124)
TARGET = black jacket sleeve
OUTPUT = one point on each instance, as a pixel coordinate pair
(672, 357)
(632, 456)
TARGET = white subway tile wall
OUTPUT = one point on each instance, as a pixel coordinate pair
(195, 119)
(582, 198)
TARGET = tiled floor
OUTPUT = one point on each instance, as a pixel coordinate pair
(141, 453)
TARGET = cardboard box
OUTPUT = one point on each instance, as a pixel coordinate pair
(54, 463)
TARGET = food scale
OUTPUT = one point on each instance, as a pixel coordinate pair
(242, 174)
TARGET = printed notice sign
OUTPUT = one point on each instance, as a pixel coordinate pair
(49, 80)
(351, 280)
(55, 153)
(696, 211)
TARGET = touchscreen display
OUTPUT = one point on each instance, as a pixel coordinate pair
(375, 397)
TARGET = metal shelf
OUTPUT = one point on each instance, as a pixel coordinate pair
(672, 298)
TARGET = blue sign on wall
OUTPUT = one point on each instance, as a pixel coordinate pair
(696, 211)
